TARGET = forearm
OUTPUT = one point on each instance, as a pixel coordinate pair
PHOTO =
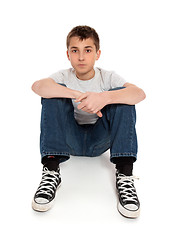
(48, 88)
(93, 102)
(130, 95)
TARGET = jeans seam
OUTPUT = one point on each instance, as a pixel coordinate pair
(132, 125)
(131, 131)
(44, 130)
(55, 153)
(125, 154)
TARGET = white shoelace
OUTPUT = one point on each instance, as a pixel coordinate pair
(48, 183)
(126, 187)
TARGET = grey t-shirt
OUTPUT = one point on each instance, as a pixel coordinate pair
(102, 81)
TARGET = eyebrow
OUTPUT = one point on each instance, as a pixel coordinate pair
(84, 47)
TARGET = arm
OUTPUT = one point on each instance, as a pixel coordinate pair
(93, 102)
(48, 88)
(130, 95)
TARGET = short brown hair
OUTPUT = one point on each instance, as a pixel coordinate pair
(84, 32)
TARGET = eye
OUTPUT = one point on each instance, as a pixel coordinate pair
(88, 50)
(74, 51)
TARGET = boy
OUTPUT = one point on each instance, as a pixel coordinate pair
(86, 111)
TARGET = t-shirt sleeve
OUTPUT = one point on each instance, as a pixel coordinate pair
(116, 80)
(112, 80)
(58, 77)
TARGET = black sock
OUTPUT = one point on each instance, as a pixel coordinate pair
(51, 165)
(125, 165)
(51, 162)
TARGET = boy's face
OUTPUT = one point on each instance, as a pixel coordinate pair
(82, 55)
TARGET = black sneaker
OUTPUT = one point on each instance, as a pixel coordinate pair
(129, 205)
(45, 194)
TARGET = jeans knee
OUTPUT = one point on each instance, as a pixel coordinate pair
(127, 108)
(123, 110)
(62, 105)
(48, 101)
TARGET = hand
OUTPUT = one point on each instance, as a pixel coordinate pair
(77, 94)
(91, 102)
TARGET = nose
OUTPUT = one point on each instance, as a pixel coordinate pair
(81, 56)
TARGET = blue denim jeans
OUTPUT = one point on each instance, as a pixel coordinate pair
(61, 135)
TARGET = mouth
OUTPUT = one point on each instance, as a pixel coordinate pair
(81, 65)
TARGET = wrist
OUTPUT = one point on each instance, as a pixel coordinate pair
(106, 97)
(76, 94)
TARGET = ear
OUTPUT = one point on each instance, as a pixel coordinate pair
(98, 54)
(68, 55)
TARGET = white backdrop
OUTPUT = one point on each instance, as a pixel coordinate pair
(135, 42)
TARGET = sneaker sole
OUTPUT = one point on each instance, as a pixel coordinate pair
(127, 213)
(43, 207)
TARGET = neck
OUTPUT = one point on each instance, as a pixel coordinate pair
(85, 76)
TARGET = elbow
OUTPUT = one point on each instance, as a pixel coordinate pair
(36, 87)
(143, 95)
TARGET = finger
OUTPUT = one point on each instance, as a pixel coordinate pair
(81, 105)
(99, 114)
(86, 110)
(79, 99)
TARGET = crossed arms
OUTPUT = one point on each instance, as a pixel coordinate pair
(90, 102)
